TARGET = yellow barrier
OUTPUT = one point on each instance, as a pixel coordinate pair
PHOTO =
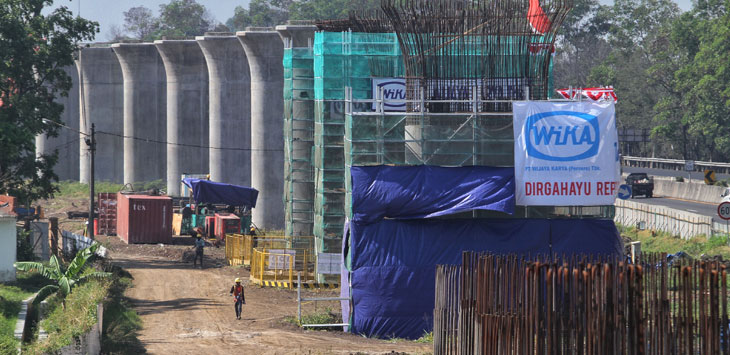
(239, 247)
(282, 265)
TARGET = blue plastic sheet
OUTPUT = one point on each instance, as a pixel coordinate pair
(205, 191)
(394, 261)
(409, 192)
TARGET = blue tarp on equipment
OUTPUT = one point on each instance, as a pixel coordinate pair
(409, 192)
(394, 261)
(394, 250)
(205, 191)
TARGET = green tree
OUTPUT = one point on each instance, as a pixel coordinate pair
(183, 18)
(64, 277)
(636, 34)
(328, 9)
(34, 48)
(140, 22)
(260, 13)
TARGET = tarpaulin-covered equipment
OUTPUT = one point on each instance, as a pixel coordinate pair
(205, 191)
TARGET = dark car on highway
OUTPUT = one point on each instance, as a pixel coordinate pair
(641, 184)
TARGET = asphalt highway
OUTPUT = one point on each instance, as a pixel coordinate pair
(698, 175)
(703, 208)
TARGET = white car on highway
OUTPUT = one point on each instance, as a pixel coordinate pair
(726, 195)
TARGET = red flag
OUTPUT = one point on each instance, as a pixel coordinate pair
(539, 21)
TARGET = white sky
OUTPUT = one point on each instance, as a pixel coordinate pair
(109, 12)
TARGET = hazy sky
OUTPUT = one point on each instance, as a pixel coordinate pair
(109, 12)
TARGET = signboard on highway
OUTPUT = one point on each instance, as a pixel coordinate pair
(689, 165)
(710, 177)
(624, 192)
(723, 210)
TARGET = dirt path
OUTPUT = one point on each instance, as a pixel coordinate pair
(189, 311)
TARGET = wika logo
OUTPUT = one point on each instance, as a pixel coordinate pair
(562, 135)
(393, 90)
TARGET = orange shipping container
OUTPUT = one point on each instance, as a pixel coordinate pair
(144, 219)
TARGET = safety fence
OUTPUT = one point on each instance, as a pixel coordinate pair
(576, 305)
(659, 218)
(281, 266)
(239, 247)
(674, 164)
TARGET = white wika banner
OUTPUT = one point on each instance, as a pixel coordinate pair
(566, 154)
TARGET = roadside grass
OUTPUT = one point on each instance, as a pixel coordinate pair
(78, 316)
(121, 323)
(74, 189)
(323, 316)
(11, 298)
(661, 242)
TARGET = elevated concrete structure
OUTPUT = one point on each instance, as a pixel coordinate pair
(144, 117)
(229, 94)
(187, 110)
(299, 170)
(265, 51)
(67, 141)
(101, 102)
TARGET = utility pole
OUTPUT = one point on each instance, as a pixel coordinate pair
(91, 142)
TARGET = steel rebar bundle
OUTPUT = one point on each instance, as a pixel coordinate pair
(577, 305)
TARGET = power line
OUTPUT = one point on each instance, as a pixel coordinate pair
(188, 145)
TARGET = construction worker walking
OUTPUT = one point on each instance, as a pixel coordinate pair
(239, 298)
(199, 246)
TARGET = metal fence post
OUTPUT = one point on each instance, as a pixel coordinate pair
(299, 297)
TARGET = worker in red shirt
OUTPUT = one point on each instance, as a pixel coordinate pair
(237, 292)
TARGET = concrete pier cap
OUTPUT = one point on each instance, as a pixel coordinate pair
(229, 108)
(101, 100)
(297, 36)
(144, 115)
(187, 110)
(265, 52)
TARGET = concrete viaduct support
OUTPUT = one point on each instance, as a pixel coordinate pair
(299, 118)
(187, 110)
(230, 108)
(265, 51)
(144, 116)
(101, 102)
(67, 167)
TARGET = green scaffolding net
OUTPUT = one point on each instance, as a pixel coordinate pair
(342, 60)
(298, 141)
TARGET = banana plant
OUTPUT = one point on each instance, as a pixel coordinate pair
(65, 277)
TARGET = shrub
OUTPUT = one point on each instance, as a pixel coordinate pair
(678, 179)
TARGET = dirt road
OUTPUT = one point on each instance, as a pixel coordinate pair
(189, 311)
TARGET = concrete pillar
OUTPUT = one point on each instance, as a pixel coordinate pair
(101, 98)
(265, 51)
(299, 130)
(230, 108)
(143, 118)
(67, 141)
(187, 110)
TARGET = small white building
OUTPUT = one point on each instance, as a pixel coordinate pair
(8, 239)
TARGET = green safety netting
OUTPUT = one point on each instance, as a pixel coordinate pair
(342, 59)
(298, 141)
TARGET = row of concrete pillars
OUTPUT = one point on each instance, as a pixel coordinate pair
(210, 105)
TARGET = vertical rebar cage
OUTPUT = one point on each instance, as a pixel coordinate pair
(500, 47)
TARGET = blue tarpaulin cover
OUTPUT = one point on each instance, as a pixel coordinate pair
(205, 191)
(408, 192)
(394, 261)
(394, 249)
